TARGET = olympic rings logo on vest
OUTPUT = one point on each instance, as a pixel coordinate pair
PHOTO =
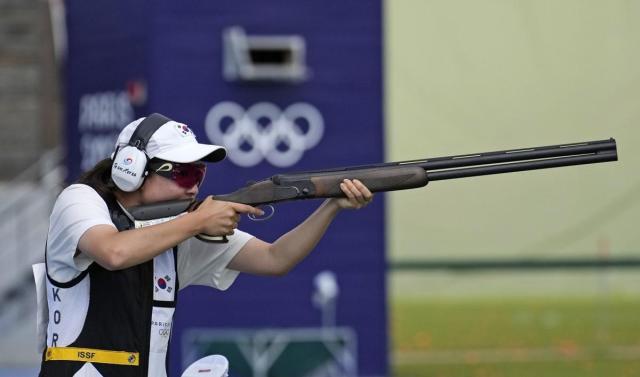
(264, 132)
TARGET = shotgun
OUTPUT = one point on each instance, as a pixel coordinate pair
(394, 176)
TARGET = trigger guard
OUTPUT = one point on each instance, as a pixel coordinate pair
(266, 216)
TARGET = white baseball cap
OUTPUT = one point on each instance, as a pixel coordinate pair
(173, 142)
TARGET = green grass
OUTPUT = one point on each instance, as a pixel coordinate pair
(561, 336)
(595, 368)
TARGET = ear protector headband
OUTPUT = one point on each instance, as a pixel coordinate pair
(129, 167)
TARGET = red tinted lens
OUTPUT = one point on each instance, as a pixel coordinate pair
(187, 175)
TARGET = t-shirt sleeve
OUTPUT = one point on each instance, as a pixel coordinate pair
(203, 263)
(77, 209)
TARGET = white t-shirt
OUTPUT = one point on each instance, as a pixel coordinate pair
(79, 208)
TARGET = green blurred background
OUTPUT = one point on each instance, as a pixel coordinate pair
(468, 76)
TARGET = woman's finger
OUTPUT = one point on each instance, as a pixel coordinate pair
(354, 191)
(368, 195)
(347, 191)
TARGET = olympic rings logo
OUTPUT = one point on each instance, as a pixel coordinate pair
(263, 131)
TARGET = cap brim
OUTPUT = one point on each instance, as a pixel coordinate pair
(194, 152)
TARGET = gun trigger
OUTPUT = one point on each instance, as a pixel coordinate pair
(266, 216)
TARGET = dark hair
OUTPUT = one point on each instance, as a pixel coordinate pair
(99, 178)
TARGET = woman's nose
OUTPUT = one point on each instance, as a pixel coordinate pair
(193, 190)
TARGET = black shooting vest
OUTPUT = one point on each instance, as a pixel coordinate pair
(112, 323)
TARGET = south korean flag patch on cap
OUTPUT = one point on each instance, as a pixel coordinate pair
(183, 130)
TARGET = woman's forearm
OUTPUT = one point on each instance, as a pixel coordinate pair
(295, 245)
(278, 258)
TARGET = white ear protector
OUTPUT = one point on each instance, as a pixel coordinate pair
(129, 167)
